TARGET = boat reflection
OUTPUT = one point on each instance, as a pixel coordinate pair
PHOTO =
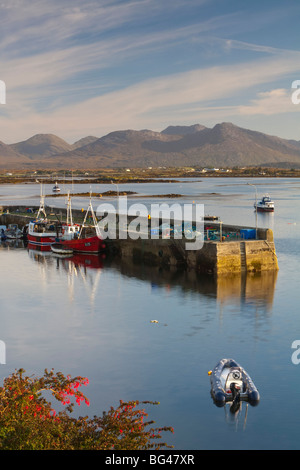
(41, 253)
(85, 267)
(253, 290)
(12, 243)
(236, 419)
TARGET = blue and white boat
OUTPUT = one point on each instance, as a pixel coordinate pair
(265, 204)
(56, 188)
(231, 383)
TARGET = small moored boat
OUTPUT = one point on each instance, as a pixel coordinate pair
(211, 217)
(13, 232)
(265, 204)
(231, 383)
(61, 249)
(56, 188)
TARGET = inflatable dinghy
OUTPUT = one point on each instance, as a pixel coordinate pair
(231, 383)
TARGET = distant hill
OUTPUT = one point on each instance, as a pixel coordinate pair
(224, 145)
(116, 149)
(84, 141)
(10, 158)
(183, 130)
(41, 145)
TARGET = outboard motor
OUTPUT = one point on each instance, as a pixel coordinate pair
(234, 385)
(236, 397)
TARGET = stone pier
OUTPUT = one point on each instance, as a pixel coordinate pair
(227, 249)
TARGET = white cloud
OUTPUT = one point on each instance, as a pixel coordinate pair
(147, 103)
(63, 67)
(277, 101)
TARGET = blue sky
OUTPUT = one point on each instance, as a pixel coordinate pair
(76, 68)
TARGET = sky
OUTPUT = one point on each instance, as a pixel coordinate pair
(75, 68)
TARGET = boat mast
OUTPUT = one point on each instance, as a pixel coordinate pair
(42, 204)
(95, 223)
(69, 210)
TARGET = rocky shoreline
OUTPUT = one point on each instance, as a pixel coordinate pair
(139, 175)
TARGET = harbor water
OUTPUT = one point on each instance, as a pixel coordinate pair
(95, 318)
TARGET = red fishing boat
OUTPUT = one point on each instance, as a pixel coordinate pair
(84, 238)
(81, 238)
(84, 245)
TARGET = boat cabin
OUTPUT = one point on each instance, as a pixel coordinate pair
(69, 232)
(42, 226)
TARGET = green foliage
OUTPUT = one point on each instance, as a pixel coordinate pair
(28, 421)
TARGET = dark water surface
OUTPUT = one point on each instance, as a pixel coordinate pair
(96, 322)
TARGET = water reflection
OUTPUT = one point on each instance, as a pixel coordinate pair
(248, 288)
(254, 290)
(93, 315)
(76, 266)
(237, 420)
(12, 243)
(43, 254)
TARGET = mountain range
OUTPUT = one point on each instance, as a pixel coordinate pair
(224, 145)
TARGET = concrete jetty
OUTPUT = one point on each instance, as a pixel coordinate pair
(216, 256)
(227, 249)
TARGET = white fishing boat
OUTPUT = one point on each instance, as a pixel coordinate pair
(265, 204)
(41, 231)
(56, 188)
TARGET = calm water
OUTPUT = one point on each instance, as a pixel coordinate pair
(96, 322)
